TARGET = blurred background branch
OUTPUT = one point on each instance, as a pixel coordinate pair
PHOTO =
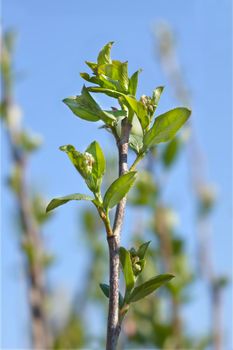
(204, 192)
(30, 208)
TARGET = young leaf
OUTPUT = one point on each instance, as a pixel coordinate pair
(92, 65)
(135, 142)
(157, 94)
(133, 83)
(136, 126)
(105, 289)
(166, 126)
(123, 75)
(84, 163)
(104, 55)
(98, 167)
(108, 92)
(118, 189)
(149, 287)
(85, 107)
(115, 74)
(141, 252)
(136, 135)
(139, 109)
(107, 82)
(91, 79)
(77, 159)
(56, 202)
(127, 268)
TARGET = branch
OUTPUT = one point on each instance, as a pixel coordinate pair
(114, 324)
(36, 288)
(173, 69)
(168, 262)
(31, 234)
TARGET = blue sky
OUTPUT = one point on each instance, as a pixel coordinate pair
(54, 40)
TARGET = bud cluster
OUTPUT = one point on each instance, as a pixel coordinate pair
(148, 103)
(137, 264)
(88, 162)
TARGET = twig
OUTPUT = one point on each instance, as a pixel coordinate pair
(114, 326)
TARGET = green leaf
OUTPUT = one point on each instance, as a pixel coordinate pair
(92, 65)
(91, 79)
(108, 83)
(98, 167)
(123, 75)
(133, 83)
(166, 126)
(105, 289)
(127, 268)
(141, 252)
(118, 189)
(76, 157)
(135, 142)
(118, 114)
(139, 109)
(104, 55)
(83, 163)
(56, 202)
(136, 135)
(108, 92)
(170, 152)
(116, 74)
(85, 107)
(157, 94)
(109, 74)
(136, 127)
(149, 287)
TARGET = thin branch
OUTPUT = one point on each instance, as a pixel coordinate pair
(36, 288)
(114, 326)
(168, 262)
(31, 234)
